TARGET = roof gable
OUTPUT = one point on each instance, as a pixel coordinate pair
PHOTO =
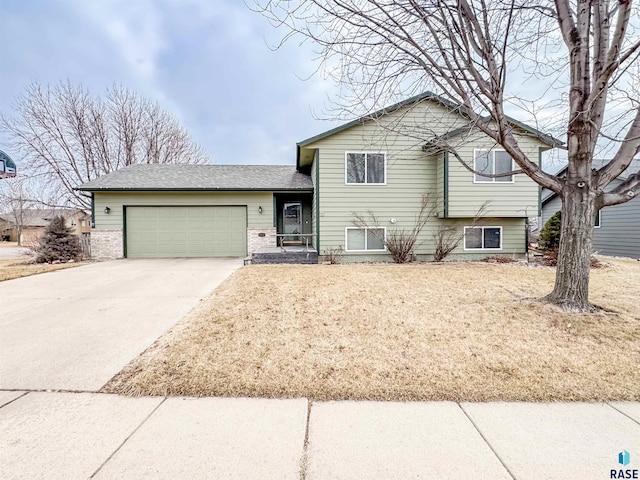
(598, 163)
(426, 96)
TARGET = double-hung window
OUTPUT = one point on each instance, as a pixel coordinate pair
(482, 238)
(492, 162)
(365, 239)
(365, 168)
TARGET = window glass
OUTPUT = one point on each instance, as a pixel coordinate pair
(472, 238)
(375, 168)
(483, 164)
(491, 238)
(375, 239)
(503, 164)
(597, 223)
(355, 239)
(355, 167)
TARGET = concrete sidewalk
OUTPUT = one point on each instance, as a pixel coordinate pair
(90, 435)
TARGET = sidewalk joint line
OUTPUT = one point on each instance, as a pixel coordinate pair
(127, 439)
(623, 413)
(17, 398)
(50, 390)
(305, 454)
(487, 442)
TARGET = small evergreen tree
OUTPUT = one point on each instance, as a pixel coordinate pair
(58, 243)
(550, 233)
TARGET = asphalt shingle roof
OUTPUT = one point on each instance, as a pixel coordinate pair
(201, 177)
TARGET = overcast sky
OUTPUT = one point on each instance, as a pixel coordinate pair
(205, 61)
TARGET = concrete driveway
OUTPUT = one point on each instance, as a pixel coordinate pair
(11, 251)
(75, 329)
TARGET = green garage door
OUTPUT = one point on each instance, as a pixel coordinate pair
(186, 232)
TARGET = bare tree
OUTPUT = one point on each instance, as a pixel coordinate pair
(70, 137)
(477, 54)
(15, 201)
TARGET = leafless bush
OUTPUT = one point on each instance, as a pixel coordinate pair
(448, 237)
(400, 242)
(499, 259)
(333, 254)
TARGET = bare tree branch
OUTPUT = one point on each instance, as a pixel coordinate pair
(72, 137)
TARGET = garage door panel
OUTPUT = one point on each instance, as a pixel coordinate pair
(186, 231)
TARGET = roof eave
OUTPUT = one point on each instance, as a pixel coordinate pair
(205, 189)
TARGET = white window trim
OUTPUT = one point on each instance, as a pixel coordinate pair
(464, 243)
(346, 244)
(491, 181)
(346, 154)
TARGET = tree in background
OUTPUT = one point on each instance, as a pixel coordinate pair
(579, 58)
(15, 199)
(58, 243)
(68, 136)
(550, 233)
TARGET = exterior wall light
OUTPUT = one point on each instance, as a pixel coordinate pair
(107, 210)
(260, 209)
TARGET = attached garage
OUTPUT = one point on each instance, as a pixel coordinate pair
(185, 231)
(167, 210)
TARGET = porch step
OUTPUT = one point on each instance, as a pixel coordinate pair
(307, 258)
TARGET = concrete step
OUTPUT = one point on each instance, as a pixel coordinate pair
(308, 258)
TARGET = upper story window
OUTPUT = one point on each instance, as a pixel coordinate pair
(365, 168)
(492, 162)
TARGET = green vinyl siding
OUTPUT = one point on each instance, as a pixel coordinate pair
(188, 231)
(503, 199)
(117, 200)
(411, 174)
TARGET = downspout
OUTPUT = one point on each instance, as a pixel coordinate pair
(446, 184)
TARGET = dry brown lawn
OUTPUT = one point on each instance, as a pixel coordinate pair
(11, 268)
(456, 331)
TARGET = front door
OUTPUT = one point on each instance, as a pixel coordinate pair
(292, 222)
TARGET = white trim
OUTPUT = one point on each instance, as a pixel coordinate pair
(346, 153)
(491, 181)
(346, 243)
(464, 238)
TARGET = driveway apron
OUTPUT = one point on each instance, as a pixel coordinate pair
(75, 329)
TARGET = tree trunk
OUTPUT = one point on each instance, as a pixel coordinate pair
(571, 290)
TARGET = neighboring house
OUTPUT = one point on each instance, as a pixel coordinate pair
(617, 228)
(373, 164)
(34, 222)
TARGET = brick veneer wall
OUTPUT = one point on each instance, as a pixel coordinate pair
(255, 241)
(106, 244)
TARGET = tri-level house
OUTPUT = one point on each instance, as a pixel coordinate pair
(382, 167)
